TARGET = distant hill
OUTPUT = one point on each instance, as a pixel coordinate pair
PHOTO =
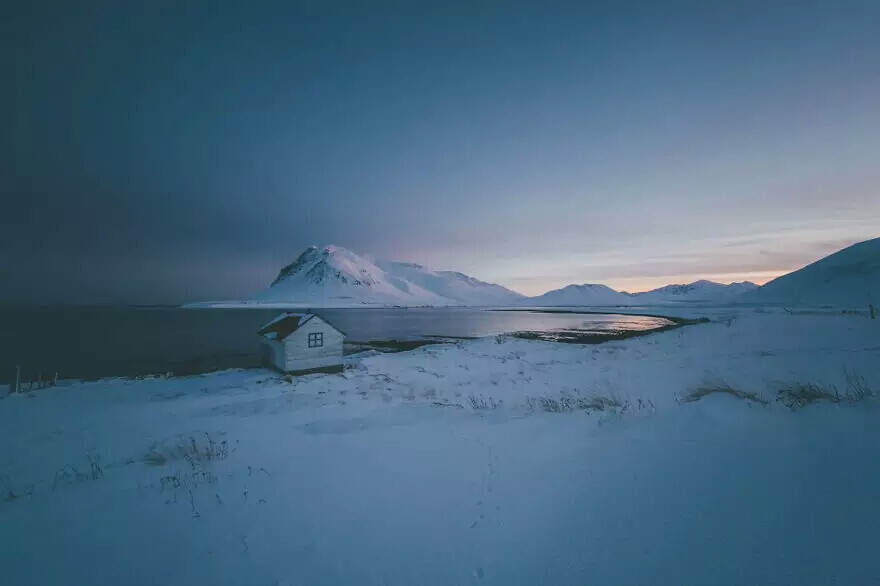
(847, 278)
(574, 295)
(334, 276)
(601, 295)
(699, 291)
(458, 287)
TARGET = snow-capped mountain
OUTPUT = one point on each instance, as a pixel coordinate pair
(333, 276)
(599, 295)
(574, 295)
(451, 284)
(699, 291)
(847, 278)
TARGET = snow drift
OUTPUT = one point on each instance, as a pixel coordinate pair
(451, 464)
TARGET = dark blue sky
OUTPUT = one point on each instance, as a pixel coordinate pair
(164, 152)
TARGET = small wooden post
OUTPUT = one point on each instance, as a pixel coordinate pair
(17, 386)
(871, 309)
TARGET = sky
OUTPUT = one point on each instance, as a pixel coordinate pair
(164, 152)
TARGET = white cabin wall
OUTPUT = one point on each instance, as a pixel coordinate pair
(297, 354)
(277, 354)
(316, 324)
(312, 362)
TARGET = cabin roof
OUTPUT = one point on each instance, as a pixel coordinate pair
(285, 324)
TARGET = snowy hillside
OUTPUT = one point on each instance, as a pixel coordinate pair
(451, 284)
(587, 294)
(698, 291)
(334, 276)
(847, 278)
(592, 294)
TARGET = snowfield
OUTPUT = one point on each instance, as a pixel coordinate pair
(741, 451)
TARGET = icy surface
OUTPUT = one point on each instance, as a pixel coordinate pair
(449, 465)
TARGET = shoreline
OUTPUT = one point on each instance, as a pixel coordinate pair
(587, 337)
(222, 359)
(457, 457)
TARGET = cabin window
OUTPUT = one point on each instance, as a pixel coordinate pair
(316, 339)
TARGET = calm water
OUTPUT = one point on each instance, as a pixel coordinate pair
(124, 341)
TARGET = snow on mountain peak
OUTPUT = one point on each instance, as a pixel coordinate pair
(698, 291)
(586, 294)
(335, 275)
(595, 294)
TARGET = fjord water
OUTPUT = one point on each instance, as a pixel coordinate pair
(93, 342)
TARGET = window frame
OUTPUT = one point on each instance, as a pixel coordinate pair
(316, 340)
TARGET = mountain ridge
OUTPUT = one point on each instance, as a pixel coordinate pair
(849, 277)
(592, 294)
(335, 276)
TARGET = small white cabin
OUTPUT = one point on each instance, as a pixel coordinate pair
(302, 342)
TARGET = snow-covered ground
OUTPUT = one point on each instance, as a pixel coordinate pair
(493, 461)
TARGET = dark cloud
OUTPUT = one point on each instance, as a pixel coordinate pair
(166, 151)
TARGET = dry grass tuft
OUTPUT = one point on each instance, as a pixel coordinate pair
(482, 403)
(568, 404)
(857, 388)
(797, 395)
(713, 385)
(8, 493)
(190, 449)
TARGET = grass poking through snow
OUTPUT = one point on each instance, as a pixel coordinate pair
(797, 395)
(714, 385)
(567, 404)
(8, 493)
(190, 449)
(857, 388)
(481, 403)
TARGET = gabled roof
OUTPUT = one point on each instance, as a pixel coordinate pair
(285, 324)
